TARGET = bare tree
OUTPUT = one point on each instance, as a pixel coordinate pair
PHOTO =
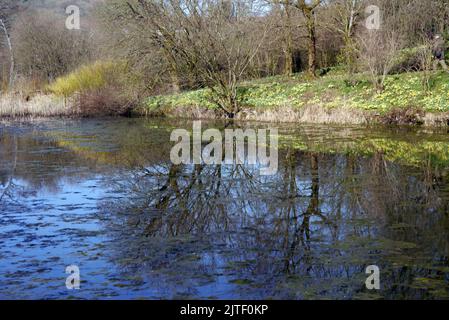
(286, 17)
(346, 15)
(8, 41)
(45, 49)
(7, 9)
(211, 43)
(379, 53)
(425, 60)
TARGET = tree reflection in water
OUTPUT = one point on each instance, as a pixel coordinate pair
(307, 232)
(103, 193)
(7, 176)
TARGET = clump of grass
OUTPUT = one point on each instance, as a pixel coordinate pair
(86, 78)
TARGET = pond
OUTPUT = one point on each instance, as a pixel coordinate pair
(103, 195)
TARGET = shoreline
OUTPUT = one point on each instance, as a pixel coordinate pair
(326, 100)
(308, 115)
(312, 115)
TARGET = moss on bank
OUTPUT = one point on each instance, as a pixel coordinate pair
(333, 93)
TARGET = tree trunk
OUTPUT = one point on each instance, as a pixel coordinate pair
(8, 41)
(175, 85)
(288, 68)
(175, 82)
(348, 39)
(307, 9)
(311, 42)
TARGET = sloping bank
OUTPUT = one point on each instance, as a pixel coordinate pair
(331, 99)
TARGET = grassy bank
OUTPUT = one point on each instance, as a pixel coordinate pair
(329, 99)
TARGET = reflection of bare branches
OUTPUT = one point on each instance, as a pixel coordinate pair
(192, 197)
(10, 183)
(292, 224)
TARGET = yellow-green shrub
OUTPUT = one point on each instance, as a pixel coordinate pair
(88, 77)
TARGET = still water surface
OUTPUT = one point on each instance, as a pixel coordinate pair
(102, 194)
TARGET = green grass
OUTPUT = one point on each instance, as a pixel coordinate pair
(331, 91)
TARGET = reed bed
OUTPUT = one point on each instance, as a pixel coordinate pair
(40, 105)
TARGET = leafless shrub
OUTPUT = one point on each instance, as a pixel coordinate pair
(103, 102)
(425, 60)
(44, 48)
(379, 53)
